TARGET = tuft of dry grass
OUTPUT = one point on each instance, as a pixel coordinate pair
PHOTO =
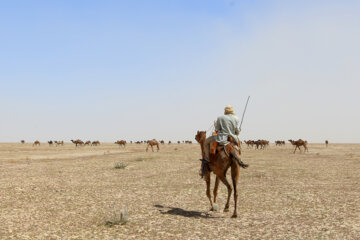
(120, 165)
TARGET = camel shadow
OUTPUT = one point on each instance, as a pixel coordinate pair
(182, 212)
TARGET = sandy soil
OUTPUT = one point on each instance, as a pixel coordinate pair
(68, 193)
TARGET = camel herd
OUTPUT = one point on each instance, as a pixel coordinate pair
(259, 144)
(255, 144)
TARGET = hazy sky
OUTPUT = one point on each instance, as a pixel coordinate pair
(135, 70)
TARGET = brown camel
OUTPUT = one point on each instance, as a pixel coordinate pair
(95, 143)
(219, 165)
(250, 143)
(298, 144)
(50, 143)
(22, 141)
(77, 142)
(121, 142)
(326, 143)
(152, 143)
(36, 143)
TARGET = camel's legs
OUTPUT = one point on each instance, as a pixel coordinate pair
(216, 188)
(152, 149)
(147, 148)
(235, 174)
(227, 184)
(208, 193)
(296, 148)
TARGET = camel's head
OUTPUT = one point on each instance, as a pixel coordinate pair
(200, 136)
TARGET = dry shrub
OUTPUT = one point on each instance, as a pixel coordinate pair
(116, 216)
(120, 165)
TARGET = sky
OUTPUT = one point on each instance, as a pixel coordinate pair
(141, 69)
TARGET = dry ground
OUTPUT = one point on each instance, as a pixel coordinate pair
(67, 193)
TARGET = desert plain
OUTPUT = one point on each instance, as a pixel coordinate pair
(74, 193)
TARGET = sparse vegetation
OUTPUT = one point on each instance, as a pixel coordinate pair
(120, 165)
(281, 195)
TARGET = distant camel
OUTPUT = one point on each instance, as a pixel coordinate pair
(250, 143)
(95, 143)
(87, 143)
(162, 142)
(36, 143)
(279, 143)
(22, 141)
(152, 143)
(59, 143)
(299, 143)
(169, 142)
(261, 143)
(179, 142)
(219, 165)
(50, 143)
(326, 143)
(121, 142)
(77, 142)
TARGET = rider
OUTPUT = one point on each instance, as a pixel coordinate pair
(226, 126)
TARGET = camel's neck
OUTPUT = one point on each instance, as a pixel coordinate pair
(202, 146)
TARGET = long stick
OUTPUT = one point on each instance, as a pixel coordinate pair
(242, 119)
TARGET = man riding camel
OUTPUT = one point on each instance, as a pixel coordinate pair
(226, 128)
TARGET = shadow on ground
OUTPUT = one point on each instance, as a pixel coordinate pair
(182, 212)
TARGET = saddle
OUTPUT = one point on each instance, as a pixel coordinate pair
(228, 147)
(223, 149)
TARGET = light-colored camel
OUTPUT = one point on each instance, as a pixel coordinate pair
(59, 143)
